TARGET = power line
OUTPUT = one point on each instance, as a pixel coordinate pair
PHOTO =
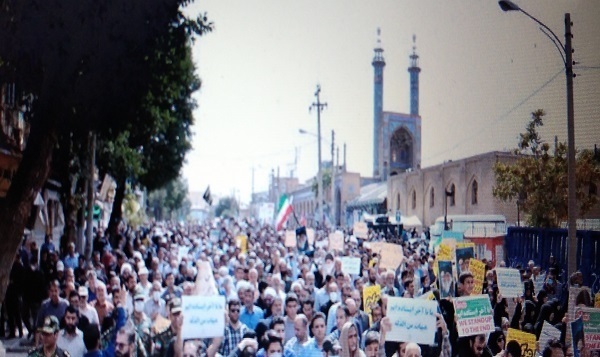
(498, 119)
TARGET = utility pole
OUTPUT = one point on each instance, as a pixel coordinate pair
(90, 198)
(572, 199)
(344, 157)
(319, 107)
(333, 172)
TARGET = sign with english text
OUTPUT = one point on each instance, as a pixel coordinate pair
(474, 315)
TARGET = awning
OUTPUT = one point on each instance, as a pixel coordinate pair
(372, 194)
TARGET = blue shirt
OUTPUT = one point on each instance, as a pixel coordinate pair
(251, 319)
(310, 349)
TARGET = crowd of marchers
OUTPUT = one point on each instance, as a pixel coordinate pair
(126, 300)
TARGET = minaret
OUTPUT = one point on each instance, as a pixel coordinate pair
(414, 79)
(378, 64)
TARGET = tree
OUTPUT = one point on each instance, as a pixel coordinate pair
(326, 183)
(170, 201)
(78, 65)
(538, 178)
(227, 206)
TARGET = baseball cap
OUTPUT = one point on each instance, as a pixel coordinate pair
(50, 325)
(175, 305)
(60, 266)
(138, 293)
(83, 291)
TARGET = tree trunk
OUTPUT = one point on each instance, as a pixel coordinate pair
(117, 212)
(27, 182)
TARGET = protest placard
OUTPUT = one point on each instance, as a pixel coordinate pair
(392, 255)
(336, 241)
(577, 340)
(361, 230)
(241, 241)
(525, 340)
(290, 239)
(445, 279)
(548, 334)
(310, 236)
(591, 327)
(477, 268)
(371, 294)
(351, 265)
(413, 320)
(575, 295)
(463, 257)
(509, 282)
(474, 315)
(203, 316)
(182, 252)
(597, 301)
(444, 252)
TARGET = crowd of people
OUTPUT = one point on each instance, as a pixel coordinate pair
(126, 300)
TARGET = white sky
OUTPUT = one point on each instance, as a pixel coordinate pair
(483, 72)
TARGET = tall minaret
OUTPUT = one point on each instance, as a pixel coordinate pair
(378, 64)
(414, 79)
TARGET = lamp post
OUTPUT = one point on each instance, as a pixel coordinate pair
(566, 53)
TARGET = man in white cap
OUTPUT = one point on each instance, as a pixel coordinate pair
(144, 284)
(85, 308)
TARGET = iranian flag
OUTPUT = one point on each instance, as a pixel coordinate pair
(285, 208)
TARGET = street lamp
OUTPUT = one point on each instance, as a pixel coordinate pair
(566, 53)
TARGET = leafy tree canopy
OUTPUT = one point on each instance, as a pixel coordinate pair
(538, 179)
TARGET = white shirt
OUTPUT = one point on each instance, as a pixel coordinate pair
(72, 344)
(90, 313)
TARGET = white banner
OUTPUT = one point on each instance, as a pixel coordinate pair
(203, 316)
(509, 282)
(413, 320)
(351, 265)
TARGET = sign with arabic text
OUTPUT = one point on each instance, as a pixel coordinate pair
(477, 268)
(350, 265)
(203, 316)
(509, 282)
(474, 315)
(524, 339)
(591, 326)
(413, 320)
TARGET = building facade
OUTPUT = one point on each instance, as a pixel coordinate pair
(463, 186)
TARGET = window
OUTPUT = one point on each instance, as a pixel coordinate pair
(431, 197)
(414, 199)
(451, 195)
(474, 189)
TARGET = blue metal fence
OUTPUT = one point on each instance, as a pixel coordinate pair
(537, 244)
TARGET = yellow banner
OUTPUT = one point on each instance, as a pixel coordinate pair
(477, 268)
(445, 252)
(241, 242)
(371, 294)
(525, 340)
(597, 301)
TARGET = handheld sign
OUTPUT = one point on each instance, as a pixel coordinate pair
(413, 320)
(509, 282)
(371, 294)
(474, 315)
(524, 339)
(351, 265)
(290, 239)
(360, 230)
(477, 268)
(445, 279)
(310, 236)
(241, 242)
(597, 301)
(392, 255)
(203, 316)
(336, 241)
(574, 296)
(591, 327)
(463, 258)
(548, 334)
